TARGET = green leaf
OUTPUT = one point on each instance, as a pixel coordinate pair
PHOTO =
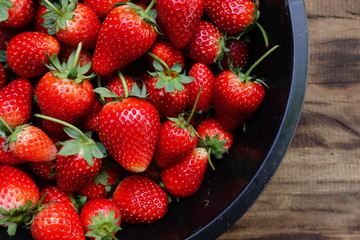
(101, 147)
(87, 154)
(102, 177)
(186, 79)
(177, 85)
(105, 92)
(177, 67)
(70, 147)
(96, 152)
(73, 74)
(157, 65)
(2, 56)
(72, 133)
(169, 88)
(161, 83)
(5, 5)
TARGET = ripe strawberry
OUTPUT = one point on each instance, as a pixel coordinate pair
(91, 120)
(85, 56)
(18, 195)
(206, 45)
(140, 200)
(185, 177)
(26, 53)
(3, 77)
(115, 85)
(236, 55)
(30, 143)
(15, 102)
(72, 22)
(103, 184)
(124, 37)
(39, 20)
(168, 53)
(237, 95)
(204, 79)
(179, 19)
(57, 220)
(16, 13)
(177, 138)
(102, 7)
(44, 170)
(233, 16)
(211, 128)
(129, 130)
(166, 90)
(55, 194)
(65, 84)
(100, 218)
(6, 156)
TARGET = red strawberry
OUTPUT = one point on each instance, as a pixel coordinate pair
(185, 177)
(26, 53)
(140, 200)
(179, 19)
(57, 220)
(72, 22)
(237, 53)
(30, 143)
(16, 102)
(129, 130)
(211, 127)
(124, 37)
(103, 184)
(6, 156)
(102, 7)
(16, 13)
(39, 20)
(204, 78)
(91, 120)
(177, 139)
(115, 85)
(85, 56)
(55, 194)
(65, 84)
(100, 218)
(3, 77)
(206, 45)
(17, 191)
(44, 170)
(168, 53)
(233, 16)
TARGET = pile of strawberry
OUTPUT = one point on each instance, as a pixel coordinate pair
(109, 109)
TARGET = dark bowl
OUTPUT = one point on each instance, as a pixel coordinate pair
(243, 174)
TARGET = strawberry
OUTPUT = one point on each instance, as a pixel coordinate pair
(237, 53)
(55, 194)
(203, 78)
(177, 139)
(26, 53)
(101, 218)
(233, 16)
(39, 20)
(237, 95)
(85, 56)
(18, 196)
(79, 159)
(185, 177)
(206, 45)
(30, 143)
(115, 85)
(103, 184)
(44, 170)
(91, 120)
(179, 19)
(168, 53)
(124, 37)
(72, 22)
(3, 77)
(129, 130)
(65, 83)
(15, 102)
(6, 156)
(166, 90)
(211, 128)
(16, 13)
(57, 220)
(140, 200)
(102, 7)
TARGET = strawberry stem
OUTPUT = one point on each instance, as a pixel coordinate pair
(6, 125)
(123, 82)
(248, 72)
(162, 62)
(209, 159)
(110, 234)
(54, 8)
(77, 55)
(152, 3)
(83, 136)
(263, 32)
(194, 107)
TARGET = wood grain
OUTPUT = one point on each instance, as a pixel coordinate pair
(315, 193)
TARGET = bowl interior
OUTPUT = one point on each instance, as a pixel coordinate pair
(240, 177)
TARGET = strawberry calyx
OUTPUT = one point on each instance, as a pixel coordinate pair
(70, 69)
(169, 78)
(223, 52)
(80, 143)
(5, 5)
(58, 14)
(103, 227)
(182, 123)
(214, 146)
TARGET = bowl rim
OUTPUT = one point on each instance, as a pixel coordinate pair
(295, 102)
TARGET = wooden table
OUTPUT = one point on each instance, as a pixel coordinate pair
(315, 193)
